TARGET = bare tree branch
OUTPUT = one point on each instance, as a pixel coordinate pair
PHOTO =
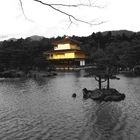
(70, 23)
(70, 16)
(22, 9)
(71, 5)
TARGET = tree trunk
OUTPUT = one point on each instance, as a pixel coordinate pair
(100, 86)
(108, 83)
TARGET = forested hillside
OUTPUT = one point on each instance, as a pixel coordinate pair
(120, 47)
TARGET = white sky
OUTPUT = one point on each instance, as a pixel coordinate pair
(119, 14)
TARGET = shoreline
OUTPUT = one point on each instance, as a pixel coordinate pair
(30, 74)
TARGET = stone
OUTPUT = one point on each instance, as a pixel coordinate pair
(74, 95)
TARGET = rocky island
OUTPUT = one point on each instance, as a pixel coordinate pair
(103, 94)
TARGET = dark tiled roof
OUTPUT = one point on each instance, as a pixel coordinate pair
(66, 50)
(66, 40)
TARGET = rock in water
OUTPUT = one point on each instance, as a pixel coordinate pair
(74, 95)
(86, 93)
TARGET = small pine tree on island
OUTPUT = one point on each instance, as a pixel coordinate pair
(106, 70)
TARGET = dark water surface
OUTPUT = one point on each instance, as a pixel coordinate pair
(43, 109)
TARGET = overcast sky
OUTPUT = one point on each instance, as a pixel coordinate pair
(44, 21)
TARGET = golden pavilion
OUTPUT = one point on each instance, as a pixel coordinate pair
(67, 53)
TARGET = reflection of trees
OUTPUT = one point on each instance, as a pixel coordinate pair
(101, 121)
(107, 118)
(41, 81)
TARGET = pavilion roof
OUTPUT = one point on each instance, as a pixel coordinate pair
(66, 40)
(66, 50)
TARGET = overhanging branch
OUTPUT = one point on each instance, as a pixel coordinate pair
(70, 16)
(22, 9)
(70, 5)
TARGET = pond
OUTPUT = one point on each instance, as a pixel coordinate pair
(43, 109)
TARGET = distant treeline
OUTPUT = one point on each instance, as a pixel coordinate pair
(24, 54)
(121, 48)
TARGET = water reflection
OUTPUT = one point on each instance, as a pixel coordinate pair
(107, 117)
(44, 109)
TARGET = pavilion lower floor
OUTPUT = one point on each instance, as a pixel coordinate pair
(68, 63)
